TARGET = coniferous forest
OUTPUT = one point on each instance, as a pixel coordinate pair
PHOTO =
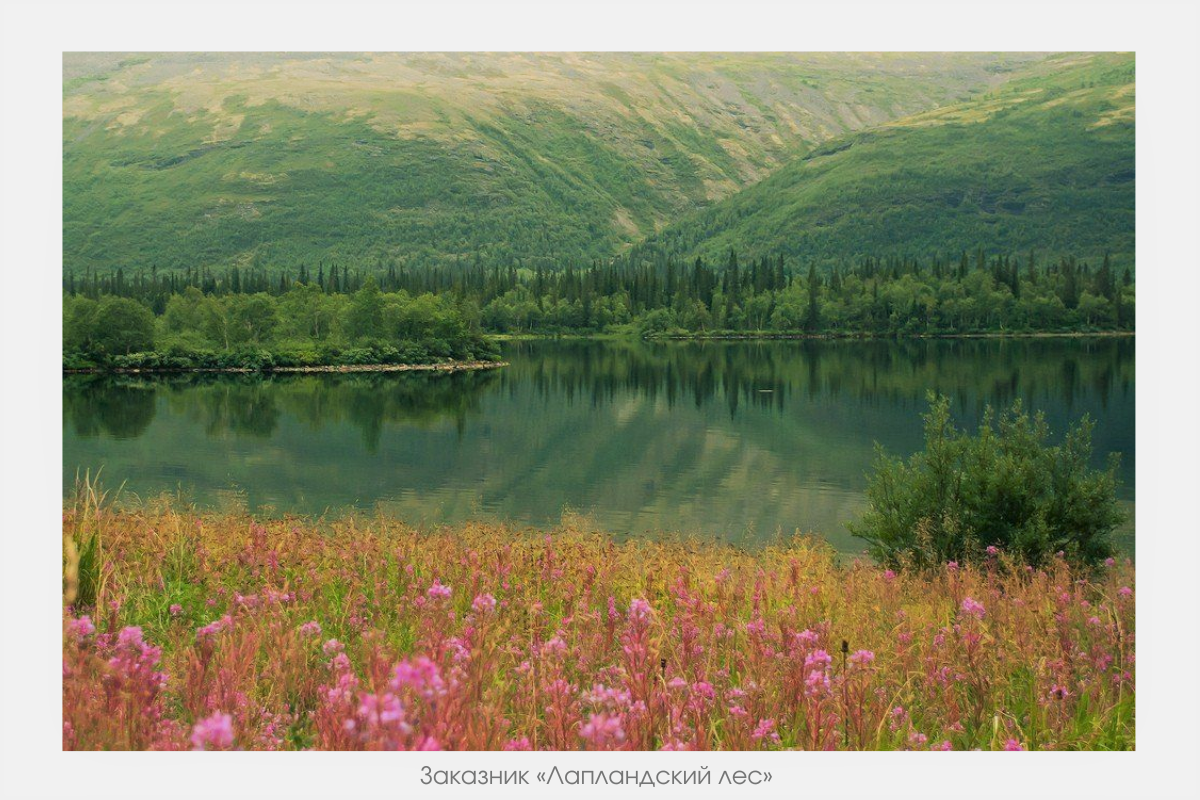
(334, 315)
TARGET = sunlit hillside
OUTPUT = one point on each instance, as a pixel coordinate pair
(209, 160)
(1045, 162)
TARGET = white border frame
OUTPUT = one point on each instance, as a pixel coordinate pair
(34, 35)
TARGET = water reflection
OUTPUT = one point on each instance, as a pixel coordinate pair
(251, 405)
(723, 439)
(98, 405)
(973, 372)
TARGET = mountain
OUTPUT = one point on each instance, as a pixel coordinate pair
(211, 160)
(1044, 162)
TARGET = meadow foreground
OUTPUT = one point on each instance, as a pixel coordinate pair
(227, 632)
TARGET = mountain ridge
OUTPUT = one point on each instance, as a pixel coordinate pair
(1043, 163)
(210, 161)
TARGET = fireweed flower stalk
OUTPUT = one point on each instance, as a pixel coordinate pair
(376, 636)
(113, 691)
(639, 678)
(213, 733)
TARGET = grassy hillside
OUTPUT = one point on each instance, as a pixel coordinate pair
(1045, 161)
(175, 160)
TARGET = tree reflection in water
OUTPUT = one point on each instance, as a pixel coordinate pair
(717, 438)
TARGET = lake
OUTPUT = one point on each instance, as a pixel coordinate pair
(737, 440)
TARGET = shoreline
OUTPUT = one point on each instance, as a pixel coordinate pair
(453, 366)
(764, 336)
(890, 337)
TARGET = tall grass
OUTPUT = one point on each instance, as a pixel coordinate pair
(83, 571)
(230, 632)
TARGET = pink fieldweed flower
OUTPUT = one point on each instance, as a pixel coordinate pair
(765, 730)
(210, 630)
(1013, 745)
(175, 610)
(1125, 591)
(639, 610)
(806, 637)
(332, 647)
(213, 733)
(383, 711)
(602, 730)
(973, 608)
(555, 645)
(312, 628)
(862, 657)
(130, 638)
(818, 659)
(613, 613)
(615, 699)
(421, 675)
(82, 627)
(438, 591)
(484, 604)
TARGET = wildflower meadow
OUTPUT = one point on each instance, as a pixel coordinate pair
(228, 632)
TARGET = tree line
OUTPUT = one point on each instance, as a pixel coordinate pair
(441, 309)
(304, 326)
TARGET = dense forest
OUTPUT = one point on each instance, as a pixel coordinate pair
(243, 328)
(256, 319)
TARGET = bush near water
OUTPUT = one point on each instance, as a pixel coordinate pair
(1005, 487)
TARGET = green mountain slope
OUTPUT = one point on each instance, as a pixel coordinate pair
(177, 160)
(1044, 162)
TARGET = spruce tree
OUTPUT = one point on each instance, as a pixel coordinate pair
(812, 317)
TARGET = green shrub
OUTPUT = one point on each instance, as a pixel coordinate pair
(1006, 486)
(656, 321)
(303, 356)
(185, 357)
(73, 359)
(113, 326)
(249, 358)
(358, 356)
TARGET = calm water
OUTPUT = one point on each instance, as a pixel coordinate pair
(736, 440)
